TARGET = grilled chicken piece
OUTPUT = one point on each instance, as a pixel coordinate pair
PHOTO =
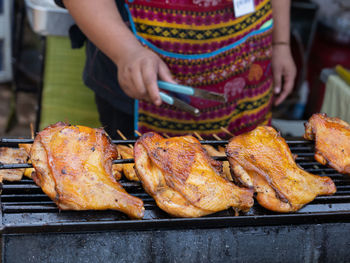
(28, 171)
(117, 170)
(128, 169)
(225, 165)
(261, 159)
(73, 167)
(12, 155)
(26, 147)
(183, 179)
(332, 141)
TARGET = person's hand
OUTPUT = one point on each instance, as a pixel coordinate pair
(138, 72)
(284, 71)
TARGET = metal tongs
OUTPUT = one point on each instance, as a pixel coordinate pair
(186, 90)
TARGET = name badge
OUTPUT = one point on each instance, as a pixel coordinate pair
(243, 7)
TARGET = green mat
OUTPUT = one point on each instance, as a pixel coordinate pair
(65, 97)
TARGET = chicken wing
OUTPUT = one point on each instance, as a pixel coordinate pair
(73, 167)
(183, 179)
(332, 141)
(261, 159)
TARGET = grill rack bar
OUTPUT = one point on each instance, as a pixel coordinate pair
(118, 161)
(131, 160)
(5, 141)
(10, 141)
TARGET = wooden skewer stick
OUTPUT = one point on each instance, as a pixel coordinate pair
(198, 136)
(217, 137)
(138, 133)
(124, 138)
(226, 130)
(166, 135)
(121, 135)
(31, 130)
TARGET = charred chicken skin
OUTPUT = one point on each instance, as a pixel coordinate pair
(183, 179)
(261, 159)
(74, 168)
(332, 141)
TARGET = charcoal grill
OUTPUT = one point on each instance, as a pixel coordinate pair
(31, 223)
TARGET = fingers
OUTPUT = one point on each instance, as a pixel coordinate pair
(277, 79)
(151, 71)
(164, 73)
(288, 85)
(137, 81)
(283, 70)
(149, 74)
(138, 75)
(287, 88)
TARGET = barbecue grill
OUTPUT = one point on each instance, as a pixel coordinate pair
(34, 230)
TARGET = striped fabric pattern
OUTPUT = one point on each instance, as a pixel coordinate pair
(206, 47)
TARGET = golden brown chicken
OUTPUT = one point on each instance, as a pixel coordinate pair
(128, 169)
(332, 141)
(73, 167)
(261, 159)
(117, 170)
(12, 155)
(183, 179)
(28, 172)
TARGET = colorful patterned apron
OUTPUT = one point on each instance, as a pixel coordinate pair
(206, 47)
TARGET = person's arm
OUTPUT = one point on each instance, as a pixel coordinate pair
(283, 66)
(138, 67)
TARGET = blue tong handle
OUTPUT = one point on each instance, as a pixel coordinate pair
(199, 93)
(175, 88)
(187, 91)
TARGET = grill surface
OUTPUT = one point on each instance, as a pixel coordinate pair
(25, 208)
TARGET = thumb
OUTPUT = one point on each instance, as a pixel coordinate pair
(164, 73)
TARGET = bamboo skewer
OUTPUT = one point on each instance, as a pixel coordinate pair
(226, 130)
(121, 135)
(138, 133)
(217, 137)
(198, 136)
(201, 138)
(124, 138)
(31, 130)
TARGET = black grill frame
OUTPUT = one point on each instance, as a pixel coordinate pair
(26, 209)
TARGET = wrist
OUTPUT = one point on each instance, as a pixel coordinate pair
(281, 47)
(280, 43)
(124, 51)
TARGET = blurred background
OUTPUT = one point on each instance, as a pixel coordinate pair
(40, 74)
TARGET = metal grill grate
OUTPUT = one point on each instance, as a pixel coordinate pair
(25, 208)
